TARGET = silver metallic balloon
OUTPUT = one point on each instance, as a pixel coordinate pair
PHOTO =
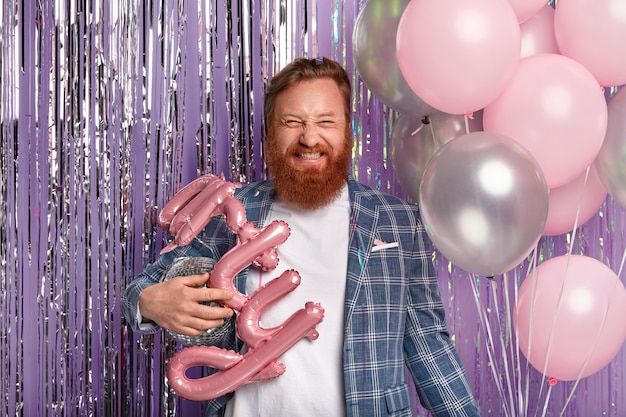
(414, 140)
(611, 160)
(484, 202)
(374, 48)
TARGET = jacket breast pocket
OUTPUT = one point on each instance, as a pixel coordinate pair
(387, 262)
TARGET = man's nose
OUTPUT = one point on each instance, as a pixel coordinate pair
(310, 134)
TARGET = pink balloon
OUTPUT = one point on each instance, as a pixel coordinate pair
(246, 252)
(555, 108)
(537, 34)
(183, 198)
(238, 370)
(575, 202)
(191, 209)
(526, 9)
(594, 34)
(458, 55)
(186, 215)
(570, 317)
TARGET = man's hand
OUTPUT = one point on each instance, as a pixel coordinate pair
(176, 305)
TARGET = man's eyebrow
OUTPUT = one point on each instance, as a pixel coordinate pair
(289, 115)
(321, 115)
(328, 114)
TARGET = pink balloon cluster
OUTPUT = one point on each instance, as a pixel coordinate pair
(185, 216)
(538, 75)
(537, 72)
(460, 55)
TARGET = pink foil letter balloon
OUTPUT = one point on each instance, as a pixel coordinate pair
(185, 215)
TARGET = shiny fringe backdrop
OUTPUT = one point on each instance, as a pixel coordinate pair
(107, 109)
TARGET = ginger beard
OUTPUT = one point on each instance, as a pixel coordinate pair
(308, 188)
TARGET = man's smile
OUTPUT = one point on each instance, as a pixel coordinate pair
(309, 155)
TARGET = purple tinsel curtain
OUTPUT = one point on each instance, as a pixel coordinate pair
(106, 110)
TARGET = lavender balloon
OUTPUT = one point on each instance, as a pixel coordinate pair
(412, 146)
(611, 160)
(414, 140)
(484, 202)
(374, 48)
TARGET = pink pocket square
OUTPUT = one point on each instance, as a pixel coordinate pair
(379, 245)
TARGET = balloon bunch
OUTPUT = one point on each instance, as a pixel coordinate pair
(185, 216)
(548, 150)
(528, 71)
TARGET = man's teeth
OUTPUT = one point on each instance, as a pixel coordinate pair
(310, 155)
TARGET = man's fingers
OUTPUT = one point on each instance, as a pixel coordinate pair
(216, 294)
(198, 318)
(209, 313)
(195, 327)
(194, 280)
(203, 293)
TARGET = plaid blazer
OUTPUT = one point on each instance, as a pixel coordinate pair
(394, 317)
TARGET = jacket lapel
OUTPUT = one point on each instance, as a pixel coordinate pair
(257, 199)
(363, 223)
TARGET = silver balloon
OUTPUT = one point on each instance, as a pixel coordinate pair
(374, 48)
(484, 202)
(611, 160)
(414, 140)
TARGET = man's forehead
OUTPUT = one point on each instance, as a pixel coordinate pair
(320, 97)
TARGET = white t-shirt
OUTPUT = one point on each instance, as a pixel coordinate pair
(312, 384)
